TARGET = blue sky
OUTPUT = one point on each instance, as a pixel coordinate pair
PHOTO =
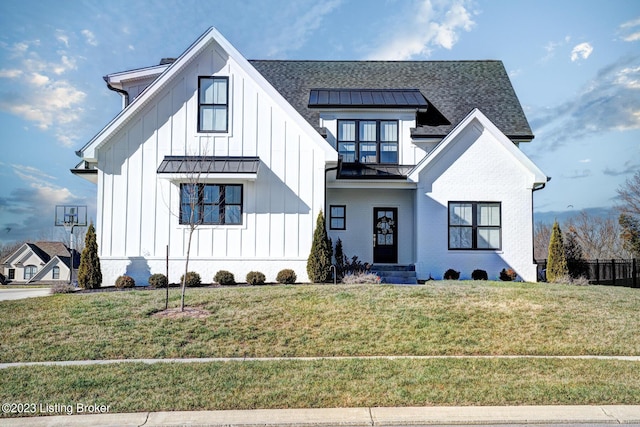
(575, 65)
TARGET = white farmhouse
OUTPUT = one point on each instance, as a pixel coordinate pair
(415, 164)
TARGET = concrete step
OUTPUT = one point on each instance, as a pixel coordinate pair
(396, 274)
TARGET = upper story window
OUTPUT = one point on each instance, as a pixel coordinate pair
(368, 141)
(55, 272)
(475, 225)
(213, 104)
(211, 204)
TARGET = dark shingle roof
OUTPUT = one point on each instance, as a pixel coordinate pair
(455, 88)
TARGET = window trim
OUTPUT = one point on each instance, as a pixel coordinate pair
(343, 217)
(378, 141)
(201, 104)
(474, 226)
(221, 204)
(11, 274)
(55, 272)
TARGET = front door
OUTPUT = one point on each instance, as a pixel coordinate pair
(385, 235)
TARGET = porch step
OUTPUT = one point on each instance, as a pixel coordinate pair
(396, 274)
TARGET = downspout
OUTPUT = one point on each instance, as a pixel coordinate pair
(326, 171)
(120, 91)
(533, 225)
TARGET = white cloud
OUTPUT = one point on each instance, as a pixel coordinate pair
(585, 161)
(62, 37)
(38, 79)
(11, 73)
(552, 46)
(432, 25)
(634, 35)
(609, 102)
(581, 51)
(299, 28)
(90, 38)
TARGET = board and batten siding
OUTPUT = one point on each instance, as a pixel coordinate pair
(138, 209)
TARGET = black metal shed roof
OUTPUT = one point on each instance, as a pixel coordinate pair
(367, 98)
(208, 164)
(454, 88)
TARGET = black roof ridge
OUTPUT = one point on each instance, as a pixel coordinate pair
(418, 61)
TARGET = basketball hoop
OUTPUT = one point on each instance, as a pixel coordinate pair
(70, 216)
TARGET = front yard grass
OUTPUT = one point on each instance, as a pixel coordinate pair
(439, 318)
(137, 387)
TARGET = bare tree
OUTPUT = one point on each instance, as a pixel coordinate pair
(541, 237)
(598, 237)
(192, 204)
(629, 194)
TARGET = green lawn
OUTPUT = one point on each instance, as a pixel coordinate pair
(439, 318)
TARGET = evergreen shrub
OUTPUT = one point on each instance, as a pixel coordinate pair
(158, 280)
(286, 276)
(125, 281)
(451, 274)
(193, 279)
(224, 277)
(255, 278)
(479, 275)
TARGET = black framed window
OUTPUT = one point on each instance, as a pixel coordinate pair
(211, 204)
(213, 104)
(368, 141)
(55, 272)
(12, 274)
(338, 217)
(475, 225)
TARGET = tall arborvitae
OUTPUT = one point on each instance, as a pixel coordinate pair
(339, 256)
(319, 261)
(556, 260)
(89, 274)
(630, 234)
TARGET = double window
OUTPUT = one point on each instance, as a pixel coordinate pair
(30, 271)
(475, 225)
(213, 104)
(368, 141)
(338, 217)
(211, 204)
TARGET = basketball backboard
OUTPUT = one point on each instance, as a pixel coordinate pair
(71, 216)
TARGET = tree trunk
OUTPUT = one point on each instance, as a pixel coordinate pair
(186, 269)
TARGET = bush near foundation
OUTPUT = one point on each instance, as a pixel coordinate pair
(451, 274)
(225, 278)
(193, 279)
(125, 281)
(286, 276)
(479, 275)
(255, 278)
(158, 280)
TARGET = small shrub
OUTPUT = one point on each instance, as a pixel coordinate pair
(63, 288)
(255, 278)
(451, 274)
(125, 282)
(286, 276)
(193, 279)
(224, 277)
(357, 278)
(479, 275)
(158, 280)
(508, 275)
(568, 280)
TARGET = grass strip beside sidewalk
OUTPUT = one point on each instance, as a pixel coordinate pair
(135, 387)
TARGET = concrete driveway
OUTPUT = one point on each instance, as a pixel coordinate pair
(21, 293)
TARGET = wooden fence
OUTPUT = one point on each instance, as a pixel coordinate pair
(615, 272)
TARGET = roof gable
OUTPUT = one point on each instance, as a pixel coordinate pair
(478, 120)
(88, 152)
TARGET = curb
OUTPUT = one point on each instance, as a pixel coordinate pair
(329, 417)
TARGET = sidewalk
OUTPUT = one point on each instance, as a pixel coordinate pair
(410, 416)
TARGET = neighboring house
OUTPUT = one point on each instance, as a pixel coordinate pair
(414, 163)
(39, 262)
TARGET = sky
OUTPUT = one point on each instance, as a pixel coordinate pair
(575, 66)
